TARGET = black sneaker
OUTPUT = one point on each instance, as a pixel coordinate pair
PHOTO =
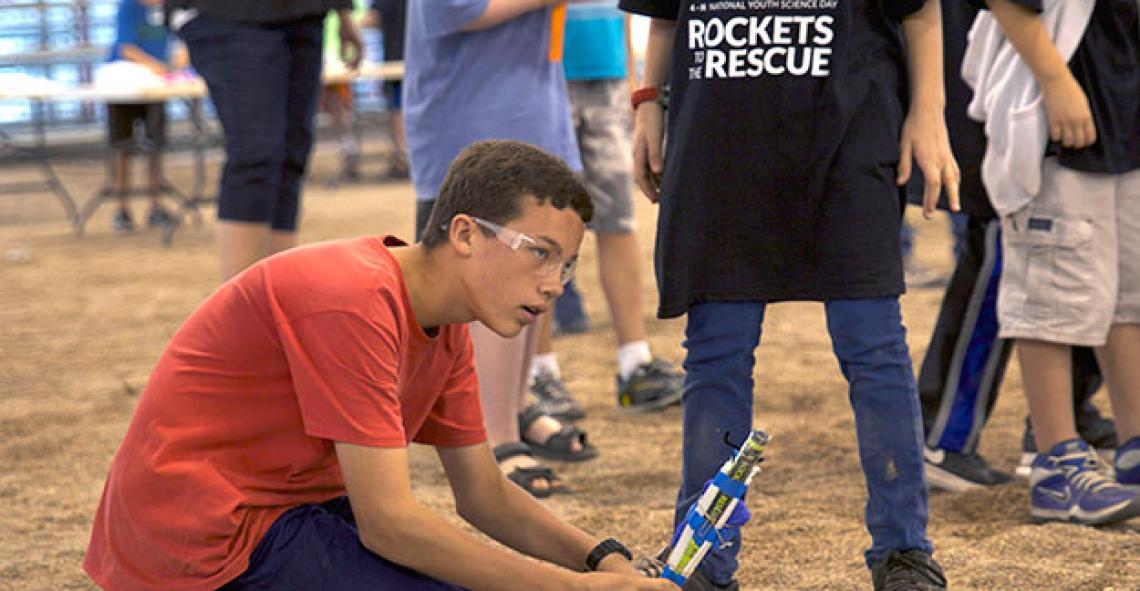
(653, 566)
(652, 386)
(122, 222)
(554, 399)
(955, 471)
(699, 582)
(159, 217)
(912, 570)
(1096, 430)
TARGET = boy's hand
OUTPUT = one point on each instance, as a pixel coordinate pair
(602, 581)
(924, 140)
(351, 43)
(1070, 120)
(648, 164)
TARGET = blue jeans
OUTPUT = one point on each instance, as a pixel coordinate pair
(869, 341)
(264, 80)
(317, 547)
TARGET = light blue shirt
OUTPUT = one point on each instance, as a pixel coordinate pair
(595, 41)
(462, 87)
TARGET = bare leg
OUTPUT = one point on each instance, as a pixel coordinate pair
(341, 114)
(155, 177)
(1046, 370)
(280, 240)
(240, 244)
(620, 271)
(121, 173)
(545, 340)
(396, 120)
(501, 365)
(1120, 361)
(399, 145)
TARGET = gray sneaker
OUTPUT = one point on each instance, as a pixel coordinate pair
(122, 222)
(159, 217)
(554, 399)
(652, 386)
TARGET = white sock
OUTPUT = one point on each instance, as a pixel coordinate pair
(349, 146)
(544, 363)
(632, 355)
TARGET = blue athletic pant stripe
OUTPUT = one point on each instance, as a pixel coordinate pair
(976, 360)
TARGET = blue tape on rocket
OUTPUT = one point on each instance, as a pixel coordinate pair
(728, 486)
(699, 523)
(703, 530)
(674, 576)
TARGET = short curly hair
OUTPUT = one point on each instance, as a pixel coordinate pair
(490, 179)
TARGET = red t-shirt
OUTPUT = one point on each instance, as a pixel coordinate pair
(238, 420)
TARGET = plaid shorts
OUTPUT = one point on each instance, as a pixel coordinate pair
(601, 114)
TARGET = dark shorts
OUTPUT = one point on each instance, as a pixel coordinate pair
(317, 547)
(264, 81)
(122, 118)
(392, 94)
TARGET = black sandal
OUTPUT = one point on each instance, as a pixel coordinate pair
(525, 476)
(559, 445)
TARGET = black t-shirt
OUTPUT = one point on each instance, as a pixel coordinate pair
(260, 11)
(967, 137)
(783, 127)
(392, 14)
(1107, 66)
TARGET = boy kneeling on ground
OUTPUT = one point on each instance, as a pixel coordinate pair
(304, 379)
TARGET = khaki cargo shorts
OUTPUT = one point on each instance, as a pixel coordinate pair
(1071, 266)
(603, 123)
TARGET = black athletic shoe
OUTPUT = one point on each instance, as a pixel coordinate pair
(912, 570)
(653, 566)
(699, 582)
(954, 471)
(1096, 430)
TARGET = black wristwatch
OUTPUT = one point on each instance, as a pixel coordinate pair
(603, 549)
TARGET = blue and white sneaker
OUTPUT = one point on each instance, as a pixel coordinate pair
(1127, 464)
(1066, 485)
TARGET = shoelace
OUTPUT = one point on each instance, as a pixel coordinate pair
(551, 388)
(1088, 475)
(659, 368)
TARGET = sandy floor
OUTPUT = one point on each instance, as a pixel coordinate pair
(83, 320)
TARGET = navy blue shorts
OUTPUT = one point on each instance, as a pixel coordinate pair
(317, 547)
(264, 80)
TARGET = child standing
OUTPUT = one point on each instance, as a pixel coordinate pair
(788, 140)
(1071, 240)
(140, 37)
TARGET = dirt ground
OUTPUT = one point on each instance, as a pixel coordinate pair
(82, 321)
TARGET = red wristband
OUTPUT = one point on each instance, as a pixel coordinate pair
(643, 94)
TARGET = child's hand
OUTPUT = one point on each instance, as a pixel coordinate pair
(924, 140)
(648, 134)
(1070, 120)
(351, 42)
